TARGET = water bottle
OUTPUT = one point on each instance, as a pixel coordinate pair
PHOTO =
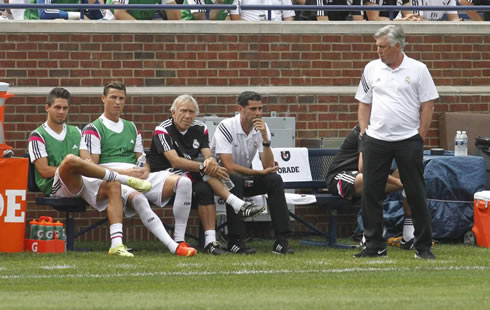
(141, 160)
(464, 145)
(458, 143)
(228, 183)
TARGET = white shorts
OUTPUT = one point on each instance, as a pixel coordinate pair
(154, 195)
(88, 192)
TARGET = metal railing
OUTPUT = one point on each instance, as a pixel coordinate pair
(269, 8)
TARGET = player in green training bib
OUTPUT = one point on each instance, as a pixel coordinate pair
(54, 148)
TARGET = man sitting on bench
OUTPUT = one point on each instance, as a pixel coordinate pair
(54, 147)
(116, 143)
(181, 144)
(344, 178)
(236, 141)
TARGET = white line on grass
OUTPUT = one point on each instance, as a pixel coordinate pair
(56, 267)
(238, 272)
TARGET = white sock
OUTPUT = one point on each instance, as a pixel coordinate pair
(209, 236)
(182, 207)
(235, 202)
(114, 176)
(116, 231)
(153, 222)
(408, 228)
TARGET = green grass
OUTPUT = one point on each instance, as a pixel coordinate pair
(313, 278)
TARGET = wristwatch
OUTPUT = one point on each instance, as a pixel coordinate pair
(266, 143)
(201, 168)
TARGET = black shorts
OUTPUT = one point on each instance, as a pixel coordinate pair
(202, 194)
(342, 184)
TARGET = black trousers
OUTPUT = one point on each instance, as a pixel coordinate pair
(270, 184)
(377, 157)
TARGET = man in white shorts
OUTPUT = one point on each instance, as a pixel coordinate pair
(113, 142)
(53, 148)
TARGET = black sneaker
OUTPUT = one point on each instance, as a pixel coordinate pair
(372, 253)
(426, 254)
(362, 243)
(248, 209)
(215, 248)
(406, 245)
(238, 247)
(281, 247)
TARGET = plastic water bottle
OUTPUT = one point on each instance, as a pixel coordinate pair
(464, 145)
(141, 160)
(228, 183)
(458, 143)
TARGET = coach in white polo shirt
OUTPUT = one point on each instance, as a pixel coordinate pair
(258, 15)
(395, 97)
(235, 142)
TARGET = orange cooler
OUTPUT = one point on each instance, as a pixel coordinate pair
(481, 218)
(13, 194)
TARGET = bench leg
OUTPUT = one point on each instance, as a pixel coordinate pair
(70, 239)
(332, 232)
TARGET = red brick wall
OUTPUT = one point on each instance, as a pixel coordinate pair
(223, 60)
(226, 60)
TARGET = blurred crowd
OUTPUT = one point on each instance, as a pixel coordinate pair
(253, 15)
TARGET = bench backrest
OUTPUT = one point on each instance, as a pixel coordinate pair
(320, 160)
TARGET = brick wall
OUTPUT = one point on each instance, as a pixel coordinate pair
(151, 57)
(226, 60)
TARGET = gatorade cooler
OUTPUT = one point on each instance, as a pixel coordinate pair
(13, 194)
(481, 218)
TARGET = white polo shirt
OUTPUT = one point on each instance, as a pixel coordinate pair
(229, 138)
(395, 96)
(255, 16)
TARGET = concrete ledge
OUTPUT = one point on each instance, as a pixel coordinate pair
(226, 27)
(230, 91)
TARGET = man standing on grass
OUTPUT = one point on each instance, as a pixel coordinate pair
(54, 147)
(116, 143)
(344, 178)
(395, 95)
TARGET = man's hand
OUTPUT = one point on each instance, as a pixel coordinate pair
(259, 125)
(137, 172)
(210, 166)
(221, 173)
(269, 170)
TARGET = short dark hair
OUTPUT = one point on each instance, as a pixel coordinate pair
(58, 92)
(114, 84)
(247, 96)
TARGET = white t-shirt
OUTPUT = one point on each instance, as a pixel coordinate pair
(254, 16)
(395, 97)
(434, 15)
(229, 138)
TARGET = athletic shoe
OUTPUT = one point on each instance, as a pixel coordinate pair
(427, 254)
(139, 184)
(363, 243)
(184, 249)
(248, 209)
(282, 247)
(120, 250)
(372, 253)
(238, 247)
(406, 245)
(215, 248)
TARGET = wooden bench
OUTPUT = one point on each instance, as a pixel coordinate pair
(320, 160)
